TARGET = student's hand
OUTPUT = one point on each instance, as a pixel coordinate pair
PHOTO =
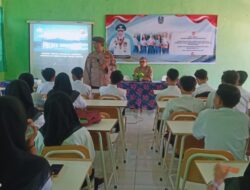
(30, 141)
(220, 172)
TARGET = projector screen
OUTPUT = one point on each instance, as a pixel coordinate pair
(59, 45)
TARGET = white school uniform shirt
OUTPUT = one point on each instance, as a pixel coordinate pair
(40, 121)
(169, 91)
(223, 129)
(79, 103)
(82, 88)
(81, 137)
(45, 87)
(242, 106)
(113, 90)
(202, 88)
(185, 103)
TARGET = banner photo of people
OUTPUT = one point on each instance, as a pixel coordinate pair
(162, 39)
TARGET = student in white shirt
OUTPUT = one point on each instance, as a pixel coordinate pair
(224, 128)
(78, 85)
(49, 75)
(203, 89)
(245, 95)
(172, 89)
(229, 77)
(62, 83)
(112, 89)
(186, 102)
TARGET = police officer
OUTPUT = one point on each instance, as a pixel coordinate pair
(99, 65)
(120, 45)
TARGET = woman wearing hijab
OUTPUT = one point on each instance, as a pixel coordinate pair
(62, 83)
(29, 79)
(19, 168)
(62, 126)
(21, 91)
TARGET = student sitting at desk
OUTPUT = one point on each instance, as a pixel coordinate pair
(224, 128)
(203, 89)
(229, 77)
(29, 79)
(62, 126)
(172, 89)
(21, 91)
(186, 102)
(78, 85)
(245, 95)
(62, 83)
(20, 168)
(112, 89)
(49, 75)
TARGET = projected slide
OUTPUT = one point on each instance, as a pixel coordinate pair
(60, 46)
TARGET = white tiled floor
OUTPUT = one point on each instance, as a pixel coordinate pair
(141, 172)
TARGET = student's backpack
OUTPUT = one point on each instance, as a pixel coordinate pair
(88, 117)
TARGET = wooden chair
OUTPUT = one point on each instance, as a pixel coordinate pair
(66, 151)
(85, 97)
(189, 171)
(74, 152)
(166, 98)
(190, 142)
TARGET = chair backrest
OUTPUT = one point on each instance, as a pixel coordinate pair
(190, 141)
(203, 94)
(183, 116)
(66, 151)
(85, 97)
(166, 98)
(109, 97)
(105, 115)
(190, 172)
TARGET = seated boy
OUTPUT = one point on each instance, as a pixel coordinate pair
(111, 89)
(186, 102)
(245, 95)
(229, 77)
(172, 89)
(204, 89)
(224, 128)
(78, 85)
(49, 75)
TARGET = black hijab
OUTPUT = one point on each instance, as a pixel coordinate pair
(62, 83)
(29, 79)
(20, 90)
(60, 119)
(19, 169)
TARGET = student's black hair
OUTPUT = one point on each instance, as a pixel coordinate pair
(229, 94)
(201, 74)
(173, 74)
(188, 83)
(116, 77)
(242, 77)
(230, 77)
(29, 79)
(48, 73)
(62, 83)
(77, 72)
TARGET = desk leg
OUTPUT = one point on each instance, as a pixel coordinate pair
(103, 161)
(156, 118)
(161, 135)
(88, 182)
(122, 135)
(113, 161)
(179, 163)
(172, 162)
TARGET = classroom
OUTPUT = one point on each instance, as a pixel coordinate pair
(135, 95)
